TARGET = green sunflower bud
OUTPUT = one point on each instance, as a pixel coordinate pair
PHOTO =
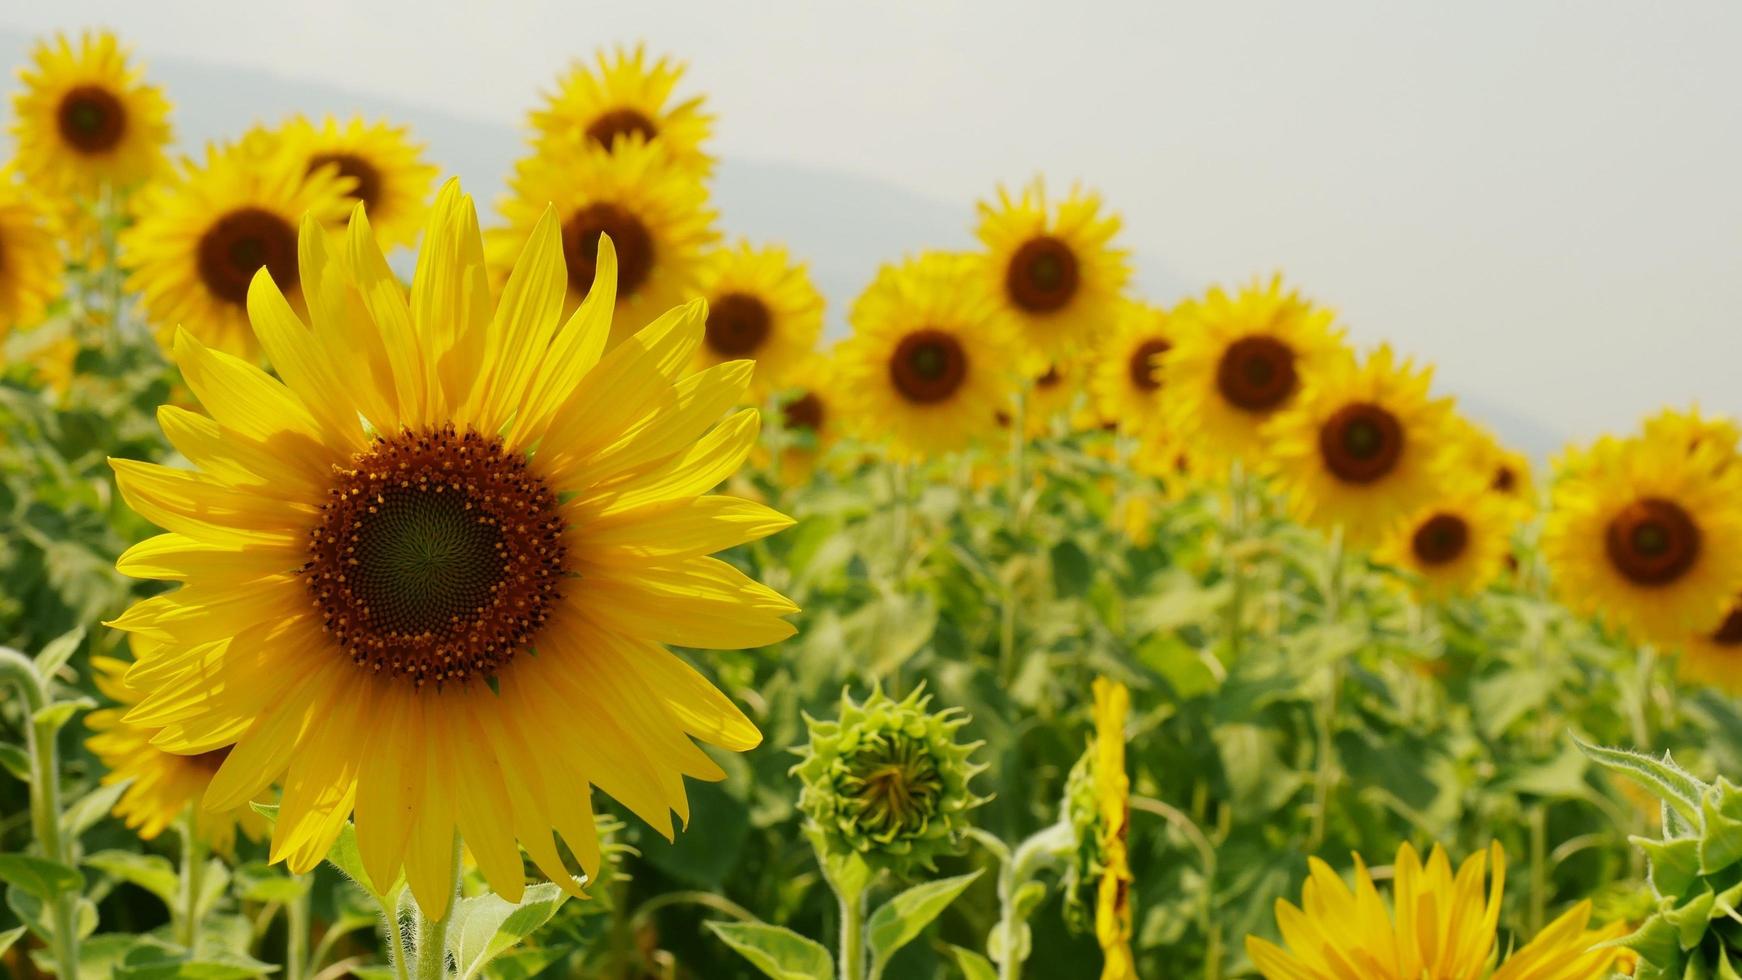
(889, 782)
(1082, 811)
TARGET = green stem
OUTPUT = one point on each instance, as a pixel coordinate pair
(1326, 775)
(296, 962)
(395, 936)
(1236, 563)
(1538, 869)
(1640, 716)
(432, 934)
(193, 875)
(1038, 851)
(1207, 920)
(45, 812)
(853, 937)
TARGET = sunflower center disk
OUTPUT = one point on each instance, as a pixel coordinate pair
(1145, 372)
(1256, 373)
(366, 179)
(1505, 480)
(437, 557)
(928, 366)
(1729, 632)
(1440, 539)
(804, 413)
(92, 119)
(1653, 541)
(1361, 443)
(737, 325)
(237, 245)
(620, 122)
(892, 787)
(1051, 379)
(1042, 277)
(634, 244)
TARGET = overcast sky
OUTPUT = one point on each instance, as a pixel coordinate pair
(1543, 198)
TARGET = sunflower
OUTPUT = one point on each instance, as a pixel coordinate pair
(656, 215)
(1056, 393)
(809, 420)
(85, 120)
(1694, 431)
(1097, 810)
(1053, 270)
(30, 259)
(161, 785)
(1241, 359)
(430, 576)
(1362, 447)
(384, 168)
(200, 239)
(762, 306)
(1438, 927)
(1647, 535)
(1455, 545)
(1474, 450)
(1126, 379)
(1712, 657)
(927, 368)
(622, 95)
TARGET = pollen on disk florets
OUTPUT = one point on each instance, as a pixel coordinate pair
(888, 781)
(438, 555)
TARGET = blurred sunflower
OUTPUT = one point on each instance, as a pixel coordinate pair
(1456, 545)
(161, 786)
(808, 419)
(86, 120)
(383, 168)
(761, 306)
(1238, 360)
(370, 549)
(30, 259)
(1126, 378)
(1054, 394)
(1100, 812)
(1647, 535)
(1436, 927)
(656, 215)
(1053, 269)
(1474, 450)
(1720, 436)
(201, 237)
(927, 369)
(1362, 447)
(1715, 656)
(621, 94)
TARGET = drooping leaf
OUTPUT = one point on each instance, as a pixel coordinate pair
(778, 952)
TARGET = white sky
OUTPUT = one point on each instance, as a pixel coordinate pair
(1544, 198)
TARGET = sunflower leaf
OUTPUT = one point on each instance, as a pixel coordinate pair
(900, 920)
(778, 952)
(973, 965)
(1669, 782)
(42, 878)
(487, 926)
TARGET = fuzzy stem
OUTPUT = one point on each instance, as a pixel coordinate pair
(395, 936)
(432, 934)
(296, 938)
(193, 875)
(853, 937)
(1325, 776)
(1207, 920)
(1038, 851)
(45, 810)
(1538, 869)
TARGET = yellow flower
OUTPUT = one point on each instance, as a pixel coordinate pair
(381, 165)
(761, 306)
(30, 258)
(1714, 656)
(1647, 535)
(201, 237)
(1126, 378)
(371, 550)
(85, 120)
(161, 785)
(1456, 545)
(1475, 451)
(927, 369)
(1437, 927)
(1718, 435)
(657, 216)
(1112, 787)
(1053, 269)
(1362, 447)
(1241, 359)
(809, 420)
(623, 95)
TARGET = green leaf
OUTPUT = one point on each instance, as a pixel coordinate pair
(58, 651)
(343, 854)
(901, 919)
(1721, 837)
(40, 877)
(53, 717)
(157, 963)
(152, 872)
(258, 882)
(16, 761)
(1675, 864)
(778, 952)
(84, 813)
(487, 926)
(1675, 787)
(1072, 571)
(9, 937)
(974, 966)
(34, 912)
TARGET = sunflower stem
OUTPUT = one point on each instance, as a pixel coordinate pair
(1326, 774)
(1007, 666)
(193, 875)
(1640, 715)
(45, 812)
(852, 936)
(395, 935)
(1236, 564)
(1538, 869)
(1044, 848)
(296, 937)
(432, 934)
(1207, 858)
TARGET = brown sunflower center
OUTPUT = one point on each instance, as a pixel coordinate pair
(738, 323)
(238, 245)
(1440, 539)
(928, 366)
(1505, 479)
(1361, 443)
(1653, 541)
(438, 556)
(91, 119)
(620, 122)
(1042, 276)
(1256, 373)
(366, 177)
(1051, 379)
(1729, 632)
(634, 244)
(804, 413)
(1145, 372)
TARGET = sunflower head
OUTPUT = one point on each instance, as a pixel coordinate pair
(1718, 437)
(809, 422)
(85, 120)
(1647, 535)
(624, 95)
(1053, 270)
(888, 781)
(1097, 806)
(761, 306)
(1238, 360)
(655, 213)
(1362, 447)
(1455, 545)
(31, 266)
(379, 164)
(1127, 371)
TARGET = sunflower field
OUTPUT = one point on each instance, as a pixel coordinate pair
(396, 588)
